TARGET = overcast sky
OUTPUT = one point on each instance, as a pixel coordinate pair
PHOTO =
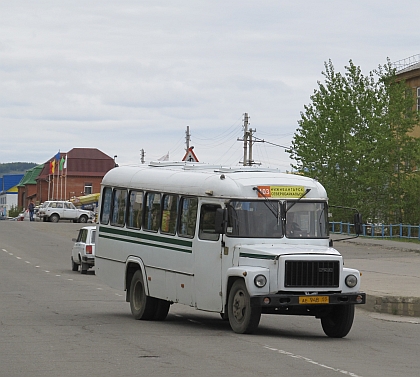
(127, 75)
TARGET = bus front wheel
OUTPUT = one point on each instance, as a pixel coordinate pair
(142, 306)
(243, 318)
(339, 321)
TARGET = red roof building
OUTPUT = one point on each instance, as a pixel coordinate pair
(75, 173)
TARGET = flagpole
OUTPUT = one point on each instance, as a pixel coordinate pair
(65, 178)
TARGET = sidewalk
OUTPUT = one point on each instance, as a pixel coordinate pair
(390, 273)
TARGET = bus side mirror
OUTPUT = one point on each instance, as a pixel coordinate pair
(358, 223)
(220, 221)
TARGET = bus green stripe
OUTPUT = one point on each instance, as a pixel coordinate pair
(257, 256)
(142, 239)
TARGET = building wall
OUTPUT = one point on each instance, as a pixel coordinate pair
(67, 188)
(412, 79)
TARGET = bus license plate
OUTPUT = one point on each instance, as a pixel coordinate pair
(314, 300)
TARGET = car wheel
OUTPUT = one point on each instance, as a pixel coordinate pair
(54, 218)
(83, 219)
(243, 318)
(74, 266)
(142, 306)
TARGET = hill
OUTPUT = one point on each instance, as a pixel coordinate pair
(15, 167)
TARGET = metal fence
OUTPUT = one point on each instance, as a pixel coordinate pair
(378, 230)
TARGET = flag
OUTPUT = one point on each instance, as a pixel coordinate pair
(62, 161)
(65, 163)
(164, 158)
(52, 167)
(57, 156)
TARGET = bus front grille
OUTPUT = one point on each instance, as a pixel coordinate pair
(319, 274)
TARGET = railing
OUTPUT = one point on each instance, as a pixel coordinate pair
(378, 230)
(404, 63)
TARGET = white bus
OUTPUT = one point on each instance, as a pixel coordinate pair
(235, 241)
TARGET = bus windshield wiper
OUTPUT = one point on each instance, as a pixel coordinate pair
(293, 203)
(269, 205)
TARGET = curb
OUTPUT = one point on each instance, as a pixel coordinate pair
(402, 306)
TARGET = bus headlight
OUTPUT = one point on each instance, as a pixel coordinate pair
(260, 281)
(351, 281)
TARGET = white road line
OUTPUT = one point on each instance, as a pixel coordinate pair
(307, 360)
(18, 258)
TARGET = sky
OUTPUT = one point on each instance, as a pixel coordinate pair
(129, 75)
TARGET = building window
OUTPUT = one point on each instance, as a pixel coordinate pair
(418, 99)
(88, 188)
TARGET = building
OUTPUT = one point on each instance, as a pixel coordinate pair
(65, 175)
(9, 192)
(409, 70)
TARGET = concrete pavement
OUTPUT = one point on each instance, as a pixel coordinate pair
(390, 273)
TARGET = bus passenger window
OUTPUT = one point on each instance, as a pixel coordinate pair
(188, 217)
(106, 205)
(207, 222)
(135, 210)
(169, 214)
(152, 212)
(119, 204)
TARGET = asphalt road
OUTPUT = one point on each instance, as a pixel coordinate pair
(55, 322)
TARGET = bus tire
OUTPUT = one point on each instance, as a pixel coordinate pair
(339, 321)
(243, 318)
(162, 309)
(142, 306)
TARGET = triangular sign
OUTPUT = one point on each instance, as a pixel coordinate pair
(190, 156)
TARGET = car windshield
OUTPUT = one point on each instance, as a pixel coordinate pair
(306, 219)
(270, 218)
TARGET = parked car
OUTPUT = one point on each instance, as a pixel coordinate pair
(83, 252)
(56, 210)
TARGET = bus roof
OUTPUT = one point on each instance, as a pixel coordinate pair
(200, 179)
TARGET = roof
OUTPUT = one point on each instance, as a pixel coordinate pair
(85, 162)
(212, 181)
(30, 176)
(9, 180)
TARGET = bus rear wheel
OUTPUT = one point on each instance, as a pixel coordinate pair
(339, 321)
(142, 306)
(243, 318)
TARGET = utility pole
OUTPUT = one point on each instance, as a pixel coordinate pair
(187, 138)
(245, 139)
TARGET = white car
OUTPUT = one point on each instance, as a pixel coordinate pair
(56, 210)
(83, 252)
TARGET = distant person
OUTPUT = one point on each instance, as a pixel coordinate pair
(31, 209)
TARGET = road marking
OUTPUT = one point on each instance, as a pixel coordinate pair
(27, 262)
(307, 360)
(18, 258)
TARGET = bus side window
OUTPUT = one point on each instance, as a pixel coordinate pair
(106, 205)
(207, 222)
(135, 210)
(169, 214)
(119, 205)
(188, 217)
(151, 212)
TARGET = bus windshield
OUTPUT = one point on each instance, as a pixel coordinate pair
(306, 219)
(274, 219)
(255, 219)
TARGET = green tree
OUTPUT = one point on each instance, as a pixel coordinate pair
(354, 138)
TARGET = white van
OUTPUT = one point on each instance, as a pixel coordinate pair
(237, 241)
